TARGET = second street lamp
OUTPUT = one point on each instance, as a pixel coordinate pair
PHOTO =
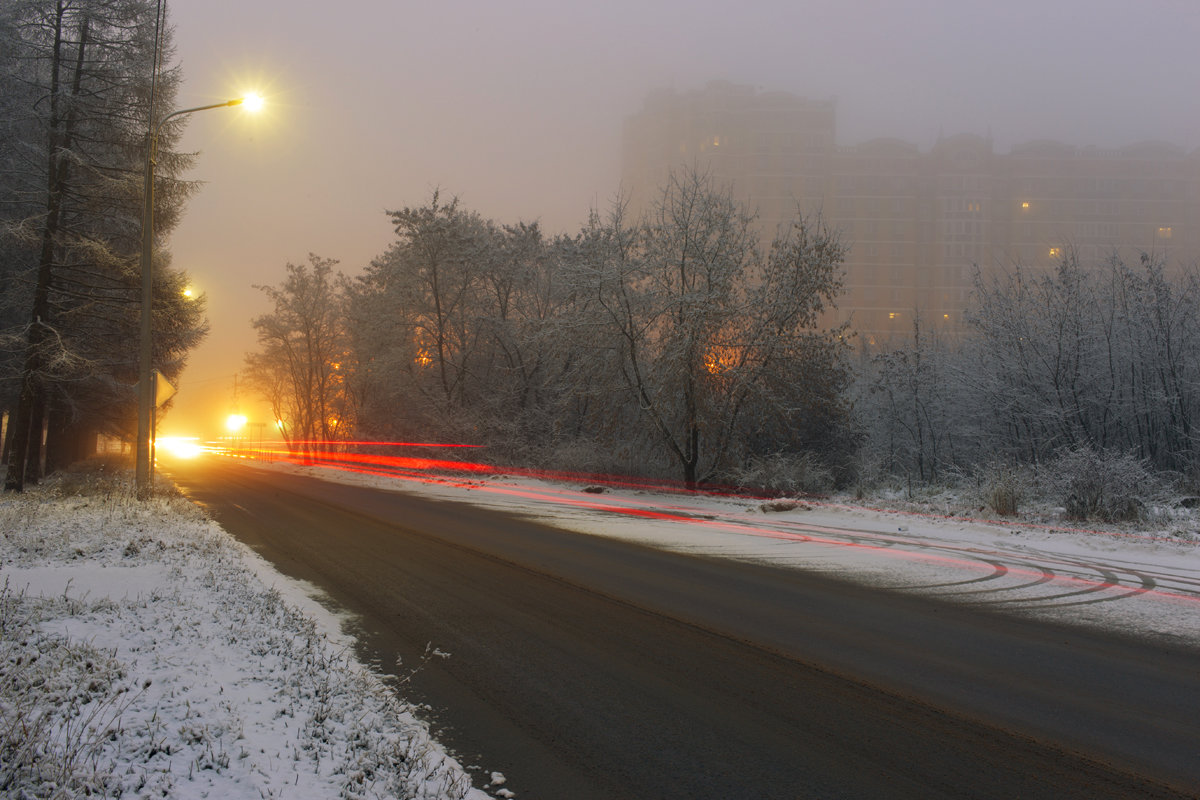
(146, 398)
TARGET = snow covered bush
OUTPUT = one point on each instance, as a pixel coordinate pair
(1100, 485)
(784, 474)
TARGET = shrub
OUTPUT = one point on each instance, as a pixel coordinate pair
(784, 473)
(1004, 492)
(1101, 485)
(1000, 488)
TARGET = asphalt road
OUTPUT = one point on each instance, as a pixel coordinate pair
(583, 667)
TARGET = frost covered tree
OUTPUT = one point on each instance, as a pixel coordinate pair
(75, 76)
(1078, 364)
(531, 342)
(444, 322)
(716, 342)
(674, 343)
(912, 403)
(302, 348)
(437, 261)
(1102, 357)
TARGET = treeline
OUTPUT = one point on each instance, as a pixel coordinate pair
(1088, 373)
(75, 97)
(675, 345)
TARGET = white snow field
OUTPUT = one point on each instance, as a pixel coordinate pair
(145, 653)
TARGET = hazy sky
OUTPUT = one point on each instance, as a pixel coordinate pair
(517, 107)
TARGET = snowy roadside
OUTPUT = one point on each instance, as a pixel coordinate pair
(145, 653)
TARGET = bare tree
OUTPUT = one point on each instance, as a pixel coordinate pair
(302, 347)
(438, 260)
(911, 404)
(710, 329)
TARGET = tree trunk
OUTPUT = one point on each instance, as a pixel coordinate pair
(35, 468)
(25, 451)
(14, 481)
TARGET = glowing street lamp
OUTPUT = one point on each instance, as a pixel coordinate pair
(146, 337)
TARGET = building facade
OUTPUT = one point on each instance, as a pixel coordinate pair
(917, 224)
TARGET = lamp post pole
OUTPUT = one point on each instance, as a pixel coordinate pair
(146, 337)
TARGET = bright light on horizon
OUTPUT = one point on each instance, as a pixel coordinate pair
(253, 102)
(180, 446)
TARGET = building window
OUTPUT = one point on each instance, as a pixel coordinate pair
(1164, 232)
(1056, 252)
(1025, 205)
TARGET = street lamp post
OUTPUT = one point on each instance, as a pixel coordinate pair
(146, 337)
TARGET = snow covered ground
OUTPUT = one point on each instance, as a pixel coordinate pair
(144, 652)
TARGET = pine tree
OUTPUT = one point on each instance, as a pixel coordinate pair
(76, 74)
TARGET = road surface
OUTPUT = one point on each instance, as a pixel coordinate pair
(583, 667)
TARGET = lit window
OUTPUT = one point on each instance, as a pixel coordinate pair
(892, 315)
(1056, 252)
(1025, 206)
(716, 141)
(1164, 232)
(945, 316)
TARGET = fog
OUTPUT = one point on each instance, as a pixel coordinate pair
(517, 108)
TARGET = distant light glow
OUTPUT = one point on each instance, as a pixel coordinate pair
(180, 446)
(719, 359)
(253, 102)
(235, 422)
(189, 292)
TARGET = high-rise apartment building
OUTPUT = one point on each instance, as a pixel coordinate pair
(918, 223)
